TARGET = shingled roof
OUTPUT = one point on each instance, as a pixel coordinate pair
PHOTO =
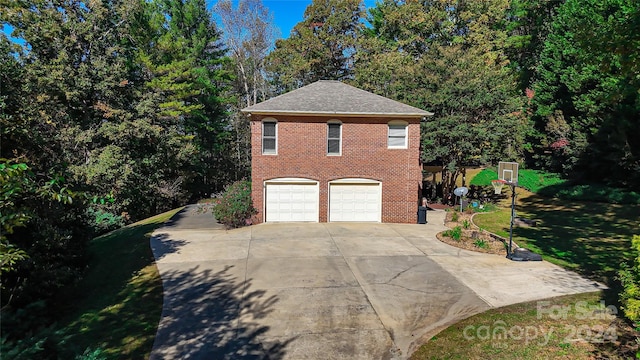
(328, 97)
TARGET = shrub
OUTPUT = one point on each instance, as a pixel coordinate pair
(466, 224)
(481, 244)
(104, 221)
(629, 276)
(454, 216)
(234, 207)
(455, 233)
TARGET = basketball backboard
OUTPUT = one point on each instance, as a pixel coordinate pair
(508, 171)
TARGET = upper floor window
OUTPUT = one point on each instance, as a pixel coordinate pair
(269, 137)
(397, 138)
(334, 138)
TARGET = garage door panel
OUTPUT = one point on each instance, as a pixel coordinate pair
(291, 202)
(355, 202)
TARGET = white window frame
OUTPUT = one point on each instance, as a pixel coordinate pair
(275, 150)
(397, 124)
(339, 123)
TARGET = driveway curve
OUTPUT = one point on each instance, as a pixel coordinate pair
(327, 290)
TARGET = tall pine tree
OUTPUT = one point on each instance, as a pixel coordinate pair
(321, 46)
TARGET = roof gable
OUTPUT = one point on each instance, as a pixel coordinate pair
(334, 98)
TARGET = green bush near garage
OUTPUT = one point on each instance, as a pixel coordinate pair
(234, 207)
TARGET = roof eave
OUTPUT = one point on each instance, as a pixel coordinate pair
(335, 113)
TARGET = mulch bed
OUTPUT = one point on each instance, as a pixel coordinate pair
(470, 236)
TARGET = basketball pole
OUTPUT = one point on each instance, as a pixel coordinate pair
(513, 208)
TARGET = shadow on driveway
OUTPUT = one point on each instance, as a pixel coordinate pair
(201, 318)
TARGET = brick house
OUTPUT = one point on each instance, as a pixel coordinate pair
(331, 152)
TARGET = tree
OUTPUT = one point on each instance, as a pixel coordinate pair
(528, 23)
(249, 35)
(64, 77)
(587, 100)
(185, 92)
(123, 102)
(450, 60)
(478, 117)
(321, 46)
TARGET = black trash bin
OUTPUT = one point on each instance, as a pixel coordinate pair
(422, 214)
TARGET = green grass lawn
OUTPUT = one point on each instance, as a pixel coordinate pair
(115, 309)
(532, 180)
(588, 237)
(551, 185)
(521, 331)
(591, 238)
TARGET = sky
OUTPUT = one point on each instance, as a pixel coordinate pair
(286, 14)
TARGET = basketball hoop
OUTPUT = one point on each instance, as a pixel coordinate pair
(497, 186)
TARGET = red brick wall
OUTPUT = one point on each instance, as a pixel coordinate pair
(302, 153)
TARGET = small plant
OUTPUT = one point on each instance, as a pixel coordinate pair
(564, 346)
(234, 207)
(454, 216)
(455, 233)
(481, 244)
(104, 221)
(92, 354)
(466, 224)
(629, 276)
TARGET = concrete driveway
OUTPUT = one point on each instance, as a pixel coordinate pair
(328, 291)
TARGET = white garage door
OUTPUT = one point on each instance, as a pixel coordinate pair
(291, 202)
(355, 202)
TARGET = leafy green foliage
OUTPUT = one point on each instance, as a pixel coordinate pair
(234, 207)
(41, 251)
(629, 276)
(455, 233)
(128, 98)
(113, 312)
(528, 27)
(454, 216)
(104, 221)
(466, 224)
(586, 98)
(18, 183)
(123, 101)
(482, 244)
(92, 354)
(321, 46)
(249, 32)
(14, 181)
(447, 59)
(40, 346)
